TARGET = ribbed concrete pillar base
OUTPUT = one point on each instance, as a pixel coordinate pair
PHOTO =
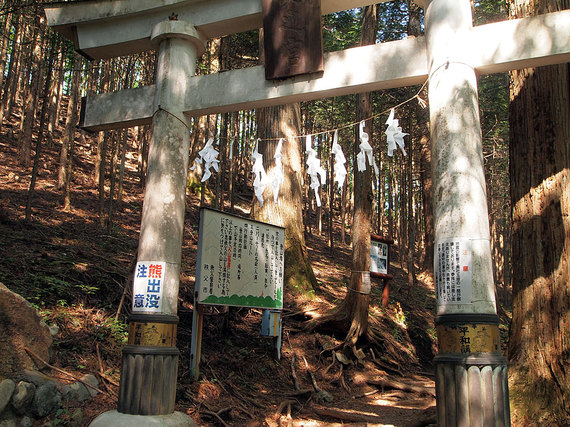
(115, 418)
(148, 380)
(472, 390)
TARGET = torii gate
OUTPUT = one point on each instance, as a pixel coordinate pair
(471, 373)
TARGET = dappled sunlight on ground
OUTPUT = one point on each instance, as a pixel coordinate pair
(76, 272)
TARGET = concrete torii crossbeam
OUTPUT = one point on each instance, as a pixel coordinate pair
(124, 27)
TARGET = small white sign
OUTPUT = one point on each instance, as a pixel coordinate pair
(378, 257)
(148, 285)
(453, 271)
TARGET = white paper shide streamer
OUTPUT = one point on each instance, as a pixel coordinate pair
(277, 176)
(207, 156)
(314, 169)
(339, 161)
(260, 180)
(365, 152)
(394, 135)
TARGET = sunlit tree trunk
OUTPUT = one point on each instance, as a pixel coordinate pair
(53, 101)
(540, 194)
(39, 140)
(351, 316)
(65, 154)
(102, 143)
(124, 145)
(274, 123)
(410, 223)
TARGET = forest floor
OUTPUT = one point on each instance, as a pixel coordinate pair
(75, 272)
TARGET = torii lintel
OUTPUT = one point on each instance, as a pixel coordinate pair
(105, 29)
(491, 48)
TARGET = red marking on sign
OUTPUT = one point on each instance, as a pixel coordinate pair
(465, 268)
(229, 257)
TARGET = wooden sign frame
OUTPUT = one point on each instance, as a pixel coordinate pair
(293, 41)
(386, 241)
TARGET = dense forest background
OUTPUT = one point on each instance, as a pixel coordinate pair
(55, 166)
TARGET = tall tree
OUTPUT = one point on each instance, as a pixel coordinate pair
(351, 316)
(275, 123)
(540, 193)
(31, 98)
(66, 151)
(10, 83)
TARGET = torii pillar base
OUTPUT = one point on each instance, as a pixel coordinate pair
(115, 418)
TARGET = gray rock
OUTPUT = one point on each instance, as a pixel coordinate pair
(7, 388)
(92, 381)
(8, 419)
(46, 400)
(20, 327)
(34, 377)
(76, 418)
(53, 330)
(23, 396)
(75, 392)
(80, 392)
(25, 422)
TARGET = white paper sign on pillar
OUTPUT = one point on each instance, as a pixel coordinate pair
(453, 271)
(148, 285)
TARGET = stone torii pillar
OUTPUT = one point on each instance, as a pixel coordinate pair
(147, 390)
(471, 373)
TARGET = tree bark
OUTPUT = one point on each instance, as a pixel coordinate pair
(351, 316)
(540, 194)
(55, 93)
(124, 144)
(65, 154)
(102, 144)
(5, 30)
(274, 123)
(411, 225)
(422, 135)
(8, 95)
(35, 167)
(31, 102)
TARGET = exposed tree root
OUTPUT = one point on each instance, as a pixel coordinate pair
(347, 415)
(370, 330)
(400, 385)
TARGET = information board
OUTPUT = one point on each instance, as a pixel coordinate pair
(378, 257)
(240, 261)
(453, 271)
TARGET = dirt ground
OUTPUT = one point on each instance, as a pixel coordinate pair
(76, 272)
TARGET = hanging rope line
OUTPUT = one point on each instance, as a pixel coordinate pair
(416, 96)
